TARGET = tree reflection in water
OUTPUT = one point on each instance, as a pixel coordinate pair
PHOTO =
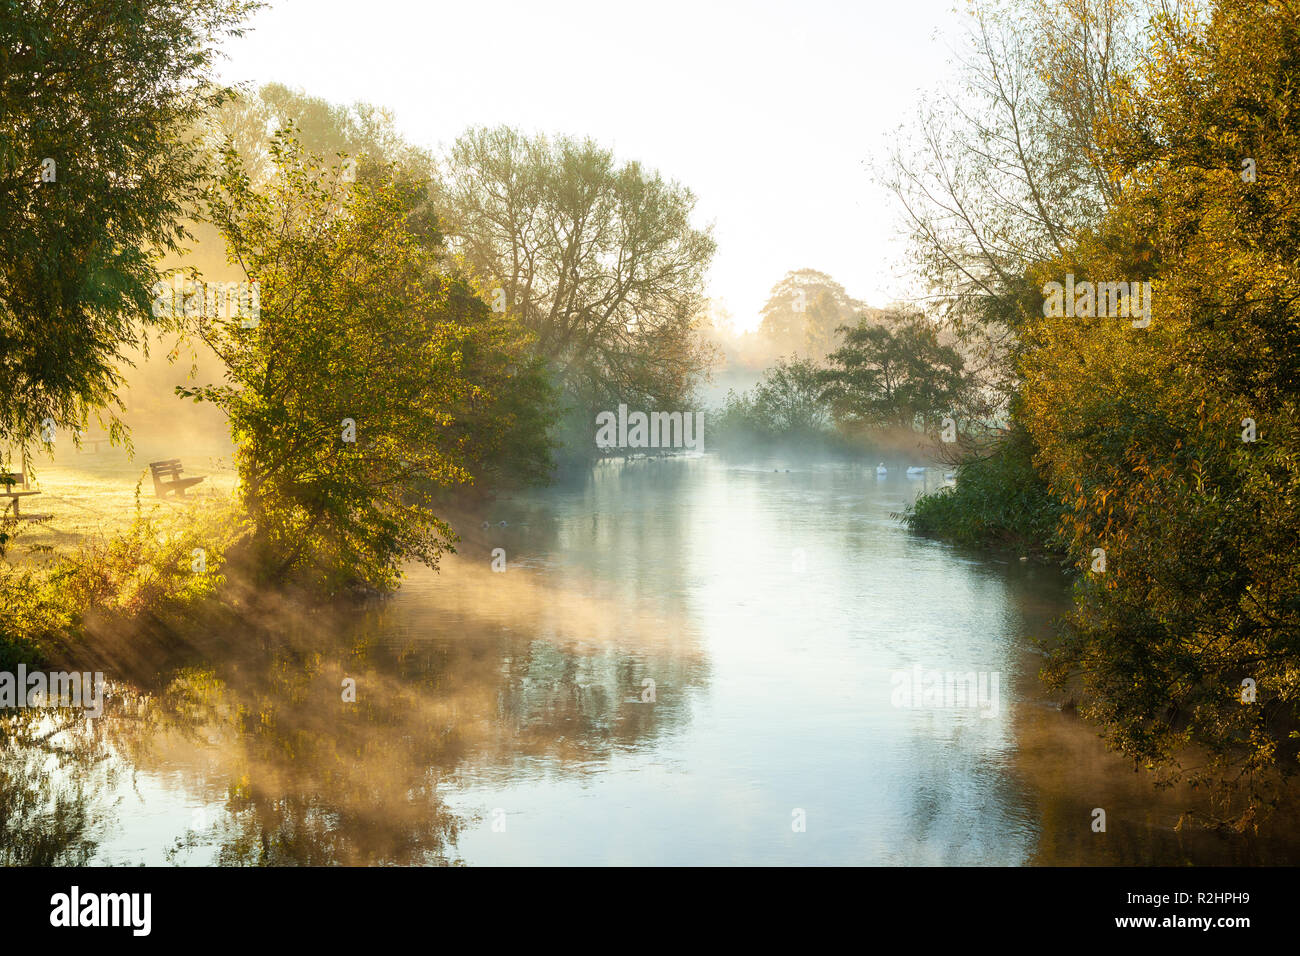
(303, 776)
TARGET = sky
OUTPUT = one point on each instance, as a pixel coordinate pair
(773, 114)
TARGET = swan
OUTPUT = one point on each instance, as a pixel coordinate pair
(881, 470)
(916, 470)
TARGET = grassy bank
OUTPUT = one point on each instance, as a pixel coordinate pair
(110, 553)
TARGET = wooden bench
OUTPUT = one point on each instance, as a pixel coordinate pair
(170, 469)
(19, 478)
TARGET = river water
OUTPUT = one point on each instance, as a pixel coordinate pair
(683, 661)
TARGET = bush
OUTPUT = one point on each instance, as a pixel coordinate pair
(1000, 499)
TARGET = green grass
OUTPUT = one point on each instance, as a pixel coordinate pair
(111, 551)
(93, 495)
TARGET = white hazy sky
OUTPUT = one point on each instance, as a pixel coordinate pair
(772, 113)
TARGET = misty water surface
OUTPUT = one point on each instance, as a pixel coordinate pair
(501, 716)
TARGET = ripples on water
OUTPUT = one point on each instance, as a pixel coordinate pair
(502, 718)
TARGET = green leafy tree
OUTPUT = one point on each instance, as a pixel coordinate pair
(503, 426)
(96, 175)
(898, 375)
(789, 398)
(343, 394)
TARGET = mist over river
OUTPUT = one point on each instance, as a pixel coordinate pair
(684, 661)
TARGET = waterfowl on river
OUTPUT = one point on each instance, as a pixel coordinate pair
(881, 470)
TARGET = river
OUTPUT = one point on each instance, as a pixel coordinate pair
(683, 661)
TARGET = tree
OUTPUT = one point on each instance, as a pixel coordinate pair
(96, 175)
(503, 425)
(1008, 169)
(895, 376)
(1175, 447)
(599, 261)
(1001, 173)
(804, 311)
(343, 395)
(358, 130)
(789, 398)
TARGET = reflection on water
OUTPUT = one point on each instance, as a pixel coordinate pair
(682, 660)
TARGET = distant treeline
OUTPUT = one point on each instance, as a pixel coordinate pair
(890, 384)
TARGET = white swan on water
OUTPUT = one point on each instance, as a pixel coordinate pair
(916, 470)
(881, 470)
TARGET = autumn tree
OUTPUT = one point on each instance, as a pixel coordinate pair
(1003, 170)
(1006, 169)
(1175, 447)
